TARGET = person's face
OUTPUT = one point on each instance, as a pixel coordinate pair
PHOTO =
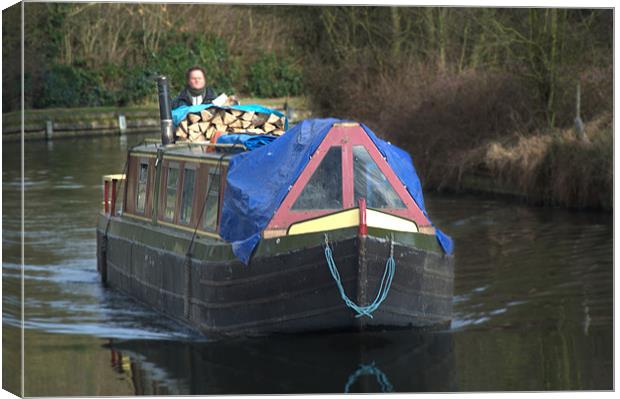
(196, 80)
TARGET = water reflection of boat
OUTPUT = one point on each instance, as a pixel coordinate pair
(403, 361)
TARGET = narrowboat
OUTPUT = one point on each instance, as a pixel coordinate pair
(323, 228)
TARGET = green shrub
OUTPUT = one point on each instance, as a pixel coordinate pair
(138, 87)
(222, 68)
(133, 83)
(71, 86)
(273, 77)
(182, 51)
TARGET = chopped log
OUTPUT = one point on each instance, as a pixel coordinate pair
(195, 128)
(237, 113)
(280, 122)
(255, 130)
(206, 115)
(204, 126)
(193, 118)
(259, 119)
(217, 120)
(238, 130)
(220, 128)
(183, 125)
(268, 127)
(201, 137)
(247, 116)
(246, 124)
(180, 132)
(237, 123)
(278, 132)
(229, 118)
(273, 118)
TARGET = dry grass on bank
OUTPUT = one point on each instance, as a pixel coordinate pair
(554, 167)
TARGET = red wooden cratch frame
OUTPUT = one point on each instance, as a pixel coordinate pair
(346, 136)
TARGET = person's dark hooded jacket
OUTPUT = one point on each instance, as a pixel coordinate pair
(185, 97)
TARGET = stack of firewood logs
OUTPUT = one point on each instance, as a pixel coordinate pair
(203, 125)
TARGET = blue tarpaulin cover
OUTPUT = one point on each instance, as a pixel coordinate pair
(178, 114)
(250, 141)
(252, 195)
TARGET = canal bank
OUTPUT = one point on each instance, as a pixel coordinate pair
(52, 124)
(58, 123)
(553, 168)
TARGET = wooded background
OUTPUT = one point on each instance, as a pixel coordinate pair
(107, 53)
(489, 90)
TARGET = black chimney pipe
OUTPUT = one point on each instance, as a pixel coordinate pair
(165, 115)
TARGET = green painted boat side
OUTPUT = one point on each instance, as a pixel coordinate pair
(208, 248)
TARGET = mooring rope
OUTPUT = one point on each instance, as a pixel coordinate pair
(369, 369)
(384, 288)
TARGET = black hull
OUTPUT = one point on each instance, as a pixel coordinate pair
(285, 292)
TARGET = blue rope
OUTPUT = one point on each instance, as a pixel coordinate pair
(369, 369)
(384, 288)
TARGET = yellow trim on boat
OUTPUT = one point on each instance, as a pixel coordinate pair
(126, 364)
(350, 218)
(119, 176)
(390, 222)
(333, 221)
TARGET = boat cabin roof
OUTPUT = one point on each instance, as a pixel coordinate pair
(197, 151)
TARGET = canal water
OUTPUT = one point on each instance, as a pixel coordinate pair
(532, 307)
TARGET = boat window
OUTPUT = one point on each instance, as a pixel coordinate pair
(143, 174)
(324, 189)
(370, 183)
(187, 196)
(213, 200)
(171, 192)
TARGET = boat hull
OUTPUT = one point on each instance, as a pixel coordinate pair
(286, 288)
